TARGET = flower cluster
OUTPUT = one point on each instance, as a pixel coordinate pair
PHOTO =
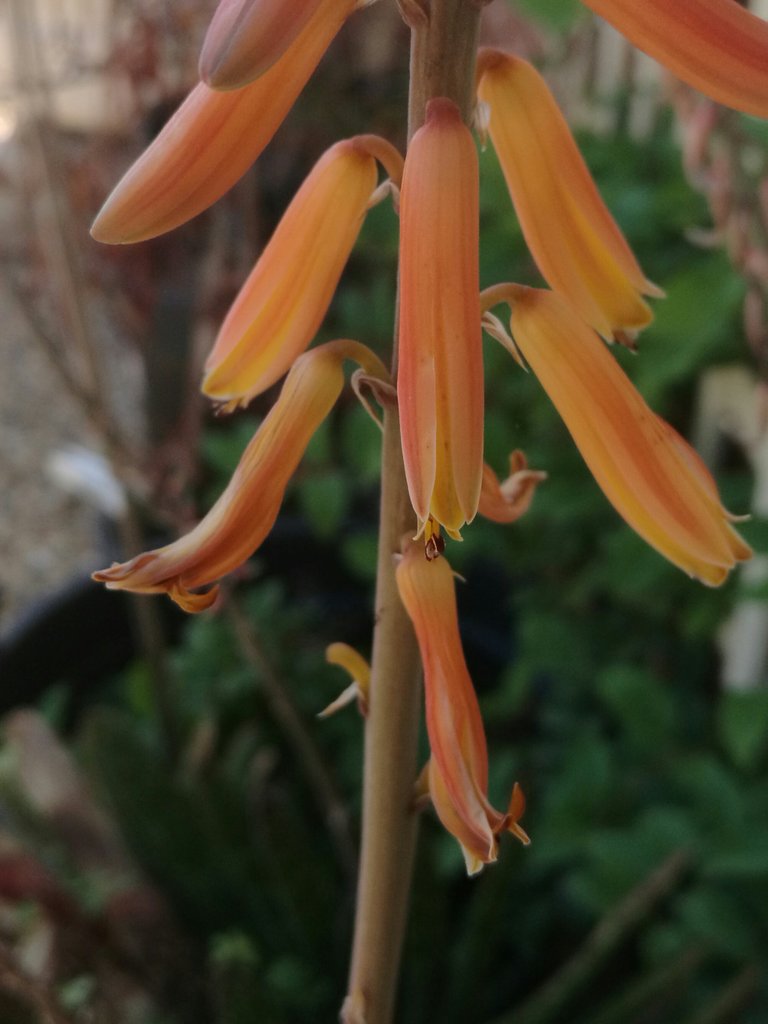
(256, 58)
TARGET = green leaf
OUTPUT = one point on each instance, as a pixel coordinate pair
(222, 446)
(755, 532)
(358, 551)
(559, 14)
(639, 703)
(324, 500)
(742, 725)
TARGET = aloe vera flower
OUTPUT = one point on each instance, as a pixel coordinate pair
(212, 140)
(282, 303)
(246, 37)
(573, 238)
(714, 45)
(440, 376)
(650, 474)
(458, 768)
(246, 511)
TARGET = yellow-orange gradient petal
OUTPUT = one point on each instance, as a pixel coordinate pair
(647, 471)
(211, 141)
(573, 238)
(244, 514)
(458, 773)
(246, 37)
(440, 375)
(282, 303)
(715, 45)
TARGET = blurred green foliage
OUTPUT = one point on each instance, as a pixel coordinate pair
(596, 667)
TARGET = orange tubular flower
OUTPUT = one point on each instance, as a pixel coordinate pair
(714, 45)
(577, 245)
(440, 376)
(246, 511)
(212, 140)
(283, 301)
(246, 37)
(651, 476)
(458, 769)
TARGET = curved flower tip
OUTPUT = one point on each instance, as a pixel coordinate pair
(210, 142)
(244, 514)
(573, 238)
(246, 37)
(440, 376)
(282, 303)
(651, 476)
(715, 45)
(458, 767)
(506, 502)
(355, 665)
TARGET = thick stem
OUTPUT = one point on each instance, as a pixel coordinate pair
(391, 729)
(442, 64)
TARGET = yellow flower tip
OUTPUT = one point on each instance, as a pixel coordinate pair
(716, 46)
(358, 669)
(246, 511)
(193, 602)
(140, 575)
(457, 772)
(211, 141)
(573, 238)
(246, 37)
(506, 502)
(282, 303)
(651, 476)
(440, 376)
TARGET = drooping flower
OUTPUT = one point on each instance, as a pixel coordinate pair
(458, 768)
(651, 476)
(246, 511)
(715, 45)
(282, 303)
(573, 238)
(212, 140)
(246, 37)
(440, 375)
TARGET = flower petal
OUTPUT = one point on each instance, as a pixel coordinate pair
(246, 511)
(246, 37)
(282, 303)
(507, 501)
(458, 772)
(440, 376)
(715, 45)
(646, 470)
(211, 141)
(576, 243)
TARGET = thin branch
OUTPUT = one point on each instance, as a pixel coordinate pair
(548, 1003)
(299, 738)
(733, 998)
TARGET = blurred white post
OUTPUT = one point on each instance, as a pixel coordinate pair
(732, 404)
